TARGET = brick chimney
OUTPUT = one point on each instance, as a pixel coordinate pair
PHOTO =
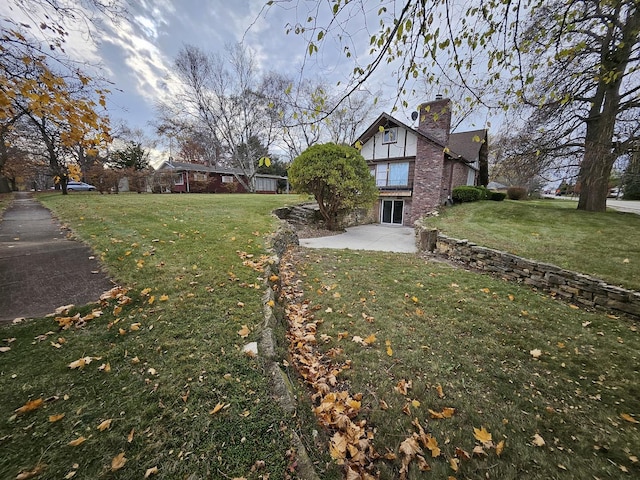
(435, 119)
(435, 123)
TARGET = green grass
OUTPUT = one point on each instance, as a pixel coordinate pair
(166, 377)
(554, 232)
(472, 335)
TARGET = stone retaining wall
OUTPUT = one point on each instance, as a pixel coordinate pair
(573, 287)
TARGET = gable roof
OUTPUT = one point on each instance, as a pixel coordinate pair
(197, 167)
(467, 145)
(387, 121)
(462, 146)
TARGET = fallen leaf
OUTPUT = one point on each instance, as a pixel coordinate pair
(500, 447)
(219, 406)
(118, 462)
(423, 466)
(453, 463)
(105, 367)
(538, 441)
(482, 435)
(56, 418)
(163, 298)
(34, 472)
(4, 349)
(432, 445)
(628, 418)
(130, 436)
(478, 450)
(134, 327)
(439, 390)
(70, 475)
(410, 448)
(370, 339)
(30, 406)
(460, 453)
(403, 386)
(78, 441)
(105, 425)
(536, 353)
(150, 471)
(626, 260)
(389, 349)
(244, 331)
(446, 412)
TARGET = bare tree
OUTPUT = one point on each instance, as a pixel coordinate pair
(224, 97)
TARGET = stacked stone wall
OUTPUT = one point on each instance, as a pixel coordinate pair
(576, 288)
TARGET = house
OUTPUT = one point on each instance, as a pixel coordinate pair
(199, 178)
(416, 169)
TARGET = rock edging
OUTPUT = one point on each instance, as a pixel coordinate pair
(570, 286)
(278, 242)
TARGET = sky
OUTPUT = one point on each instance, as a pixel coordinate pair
(136, 54)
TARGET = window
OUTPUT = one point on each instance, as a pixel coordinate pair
(227, 178)
(200, 177)
(392, 174)
(179, 180)
(390, 135)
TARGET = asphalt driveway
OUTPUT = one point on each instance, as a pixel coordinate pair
(368, 237)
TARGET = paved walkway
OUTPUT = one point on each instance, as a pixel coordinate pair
(40, 269)
(368, 237)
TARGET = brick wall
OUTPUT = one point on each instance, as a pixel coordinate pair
(428, 191)
(571, 286)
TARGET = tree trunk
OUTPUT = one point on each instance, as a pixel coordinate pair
(595, 171)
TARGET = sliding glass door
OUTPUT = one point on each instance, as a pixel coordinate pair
(391, 212)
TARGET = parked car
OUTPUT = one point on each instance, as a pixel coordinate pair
(80, 187)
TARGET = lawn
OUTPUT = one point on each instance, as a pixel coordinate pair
(167, 385)
(462, 374)
(604, 245)
(528, 387)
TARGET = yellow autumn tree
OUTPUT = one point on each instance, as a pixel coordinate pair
(61, 111)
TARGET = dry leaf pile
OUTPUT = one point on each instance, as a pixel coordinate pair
(351, 441)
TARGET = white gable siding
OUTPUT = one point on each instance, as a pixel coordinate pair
(405, 146)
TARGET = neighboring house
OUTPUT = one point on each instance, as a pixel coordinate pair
(198, 178)
(417, 168)
(497, 187)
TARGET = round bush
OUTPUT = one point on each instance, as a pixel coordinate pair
(497, 196)
(465, 194)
